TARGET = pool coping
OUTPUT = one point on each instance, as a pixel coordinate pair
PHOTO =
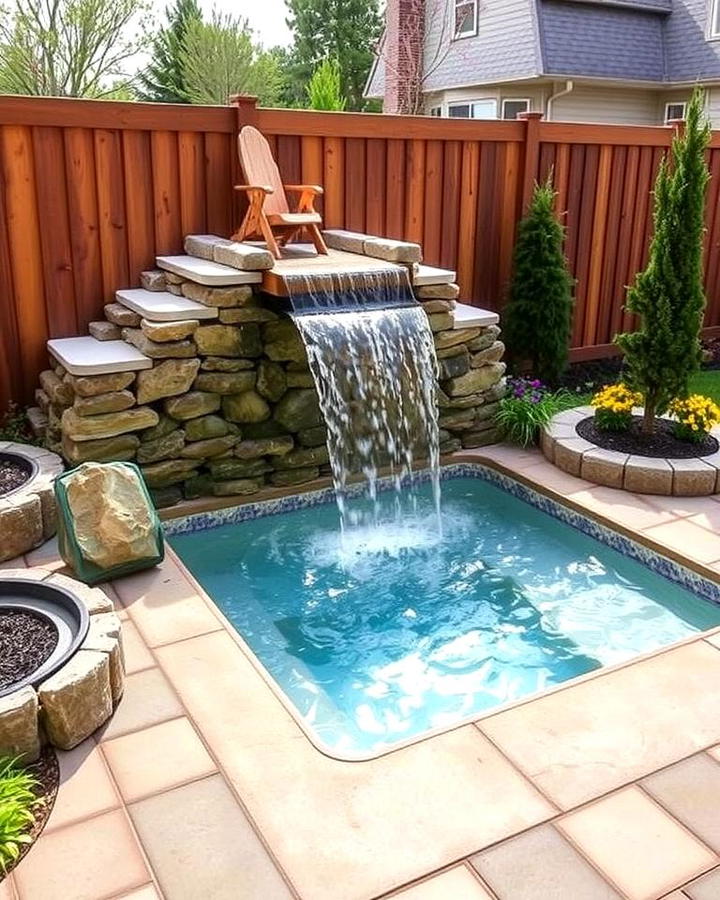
(477, 460)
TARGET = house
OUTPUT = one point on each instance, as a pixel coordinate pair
(614, 61)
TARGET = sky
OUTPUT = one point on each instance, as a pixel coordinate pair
(266, 17)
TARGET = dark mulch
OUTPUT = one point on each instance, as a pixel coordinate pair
(12, 475)
(662, 443)
(26, 641)
(48, 775)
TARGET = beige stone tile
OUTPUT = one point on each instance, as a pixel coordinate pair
(86, 788)
(622, 833)
(357, 809)
(17, 562)
(516, 458)
(588, 739)
(705, 888)
(682, 506)
(46, 555)
(546, 475)
(620, 506)
(163, 604)
(148, 700)
(687, 538)
(200, 844)
(690, 790)
(86, 861)
(455, 884)
(147, 892)
(7, 889)
(715, 751)
(155, 759)
(541, 865)
(137, 654)
(709, 517)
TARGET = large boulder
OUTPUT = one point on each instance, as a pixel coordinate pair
(112, 521)
(298, 409)
(246, 407)
(166, 379)
(86, 428)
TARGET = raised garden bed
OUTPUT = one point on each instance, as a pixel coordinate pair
(627, 461)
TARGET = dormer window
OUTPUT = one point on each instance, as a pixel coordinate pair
(715, 19)
(466, 16)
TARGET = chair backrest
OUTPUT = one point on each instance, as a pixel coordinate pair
(260, 168)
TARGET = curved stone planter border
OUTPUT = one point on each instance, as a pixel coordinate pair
(28, 515)
(563, 446)
(81, 696)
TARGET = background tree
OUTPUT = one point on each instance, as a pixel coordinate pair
(69, 48)
(345, 30)
(162, 80)
(538, 314)
(323, 90)
(219, 59)
(668, 296)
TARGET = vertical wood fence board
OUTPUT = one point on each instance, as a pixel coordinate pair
(376, 161)
(111, 214)
(395, 189)
(137, 168)
(191, 160)
(334, 182)
(468, 218)
(433, 212)
(355, 184)
(11, 365)
(218, 183)
(415, 193)
(452, 168)
(166, 192)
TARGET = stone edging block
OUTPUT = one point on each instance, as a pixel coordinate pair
(561, 445)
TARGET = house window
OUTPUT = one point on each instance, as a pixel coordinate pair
(475, 109)
(715, 19)
(436, 111)
(466, 16)
(674, 111)
(511, 108)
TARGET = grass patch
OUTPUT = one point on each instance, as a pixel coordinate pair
(707, 383)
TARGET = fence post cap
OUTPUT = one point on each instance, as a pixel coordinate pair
(530, 114)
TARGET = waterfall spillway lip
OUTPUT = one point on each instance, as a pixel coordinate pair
(376, 289)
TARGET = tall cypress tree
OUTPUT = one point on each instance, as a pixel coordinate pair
(162, 81)
(345, 30)
(537, 317)
(669, 296)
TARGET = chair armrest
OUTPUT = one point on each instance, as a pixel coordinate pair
(266, 189)
(310, 188)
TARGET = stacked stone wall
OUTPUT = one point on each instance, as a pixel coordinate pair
(229, 406)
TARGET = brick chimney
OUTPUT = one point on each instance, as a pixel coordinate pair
(403, 55)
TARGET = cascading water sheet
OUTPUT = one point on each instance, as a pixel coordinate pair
(375, 373)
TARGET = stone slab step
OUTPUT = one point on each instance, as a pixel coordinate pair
(432, 275)
(87, 356)
(473, 317)
(203, 271)
(162, 306)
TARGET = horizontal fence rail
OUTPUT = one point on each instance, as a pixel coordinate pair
(91, 191)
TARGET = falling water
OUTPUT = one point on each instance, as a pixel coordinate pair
(375, 372)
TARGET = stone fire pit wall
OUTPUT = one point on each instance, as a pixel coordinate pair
(77, 699)
(230, 408)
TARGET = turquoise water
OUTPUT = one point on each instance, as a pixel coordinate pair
(391, 632)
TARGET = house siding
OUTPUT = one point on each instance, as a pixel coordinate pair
(584, 39)
(504, 48)
(608, 105)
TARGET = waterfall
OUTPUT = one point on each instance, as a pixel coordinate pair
(372, 357)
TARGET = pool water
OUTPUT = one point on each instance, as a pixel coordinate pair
(384, 634)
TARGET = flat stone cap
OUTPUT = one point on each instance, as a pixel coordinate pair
(162, 306)
(467, 316)
(204, 271)
(88, 356)
(425, 275)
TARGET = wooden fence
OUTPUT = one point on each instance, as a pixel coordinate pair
(91, 191)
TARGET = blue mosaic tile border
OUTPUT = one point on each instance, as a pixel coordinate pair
(657, 563)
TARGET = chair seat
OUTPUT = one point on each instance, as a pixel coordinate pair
(288, 218)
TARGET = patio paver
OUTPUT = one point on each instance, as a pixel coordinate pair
(85, 861)
(137, 654)
(686, 537)
(155, 759)
(148, 700)
(705, 888)
(86, 788)
(584, 741)
(690, 791)
(541, 865)
(457, 883)
(147, 892)
(349, 814)
(618, 831)
(202, 846)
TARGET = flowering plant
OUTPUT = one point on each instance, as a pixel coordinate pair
(527, 406)
(613, 407)
(695, 416)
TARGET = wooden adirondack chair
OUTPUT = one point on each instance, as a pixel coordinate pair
(268, 212)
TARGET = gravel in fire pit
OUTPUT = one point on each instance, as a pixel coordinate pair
(26, 641)
(12, 475)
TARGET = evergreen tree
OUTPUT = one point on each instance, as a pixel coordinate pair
(162, 81)
(345, 30)
(538, 314)
(668, 296)
(323, 89)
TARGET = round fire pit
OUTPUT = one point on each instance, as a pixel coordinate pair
(61, 661)
(41, 626)
(27, 502)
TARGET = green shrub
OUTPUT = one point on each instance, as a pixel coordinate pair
(538, 314)
(323, 90)
(669, 297)
(14, 425)
(17, 798)
(529, 406)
